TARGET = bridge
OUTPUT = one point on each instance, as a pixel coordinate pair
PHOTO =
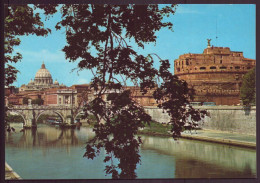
(31, 113)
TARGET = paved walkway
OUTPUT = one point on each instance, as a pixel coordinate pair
(10, 174)
(222, 137)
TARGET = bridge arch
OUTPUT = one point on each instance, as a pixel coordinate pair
(20, 114)
(78, 114)
(56, 112)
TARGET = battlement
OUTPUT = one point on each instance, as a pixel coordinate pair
(217, 50)
(215, 75)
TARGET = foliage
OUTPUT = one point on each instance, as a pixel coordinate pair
(44, 117)
(248, 88)
(19, 21)
(25, 100)
(156, 128)
(14, 118)
(98, 36)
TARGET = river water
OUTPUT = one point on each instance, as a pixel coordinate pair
(52, 153)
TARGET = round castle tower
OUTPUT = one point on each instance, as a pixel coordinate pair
(215, 75)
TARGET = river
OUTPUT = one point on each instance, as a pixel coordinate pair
(52, 153)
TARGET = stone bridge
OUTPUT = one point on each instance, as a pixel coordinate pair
(31, 113)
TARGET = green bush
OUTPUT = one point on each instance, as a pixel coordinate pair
(14, 118)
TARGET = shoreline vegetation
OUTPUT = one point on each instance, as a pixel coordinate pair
(154, 129)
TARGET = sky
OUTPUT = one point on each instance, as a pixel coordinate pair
(233, 24)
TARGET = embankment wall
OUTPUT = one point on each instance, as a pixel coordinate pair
(225, 118)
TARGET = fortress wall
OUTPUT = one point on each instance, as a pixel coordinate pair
(224, 118)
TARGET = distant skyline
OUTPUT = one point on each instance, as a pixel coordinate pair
(233, 24)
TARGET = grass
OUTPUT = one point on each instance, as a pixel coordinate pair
(156, 129)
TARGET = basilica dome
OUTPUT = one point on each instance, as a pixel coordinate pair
(43, 80)
(43, 76)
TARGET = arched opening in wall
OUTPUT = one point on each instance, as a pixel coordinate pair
(237, 67)
(223, 67)
(15, 119)
(202, 68)
(49, 118)
(79, 117)
(213, 67)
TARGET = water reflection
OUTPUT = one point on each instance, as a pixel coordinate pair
(54, 149)
(48, 136)
(196, 159)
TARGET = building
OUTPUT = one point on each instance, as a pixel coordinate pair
(11, 90)
(142, 99)
(215, 75)
(62, 96)
(42, 80)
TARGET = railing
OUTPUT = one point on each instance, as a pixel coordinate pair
(42, 107)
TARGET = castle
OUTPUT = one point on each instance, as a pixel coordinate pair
(215, 75)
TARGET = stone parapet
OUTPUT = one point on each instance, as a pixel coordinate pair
(238, 119)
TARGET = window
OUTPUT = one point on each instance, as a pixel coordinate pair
(213, 67)
(220, 61)
(237, 67)
(248, 67)
(231, 67)
(67, 101)
(202, 68)
(223, 67)
(187, 62)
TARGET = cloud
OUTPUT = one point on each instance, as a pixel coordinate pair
(43, 55)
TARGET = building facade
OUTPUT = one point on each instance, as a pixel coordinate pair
(215, 75)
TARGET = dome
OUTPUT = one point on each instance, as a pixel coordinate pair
(43, 72)
(43, 77)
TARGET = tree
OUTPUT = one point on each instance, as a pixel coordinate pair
(248, 88)
(25, 100)
(19, 21)
(99, 36)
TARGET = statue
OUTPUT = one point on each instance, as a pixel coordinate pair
(29, 101)
(209, 42)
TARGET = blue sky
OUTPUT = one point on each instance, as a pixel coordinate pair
(234, 26)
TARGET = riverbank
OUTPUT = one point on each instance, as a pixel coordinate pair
(214, 136)
(10, 174)
(235, 139)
